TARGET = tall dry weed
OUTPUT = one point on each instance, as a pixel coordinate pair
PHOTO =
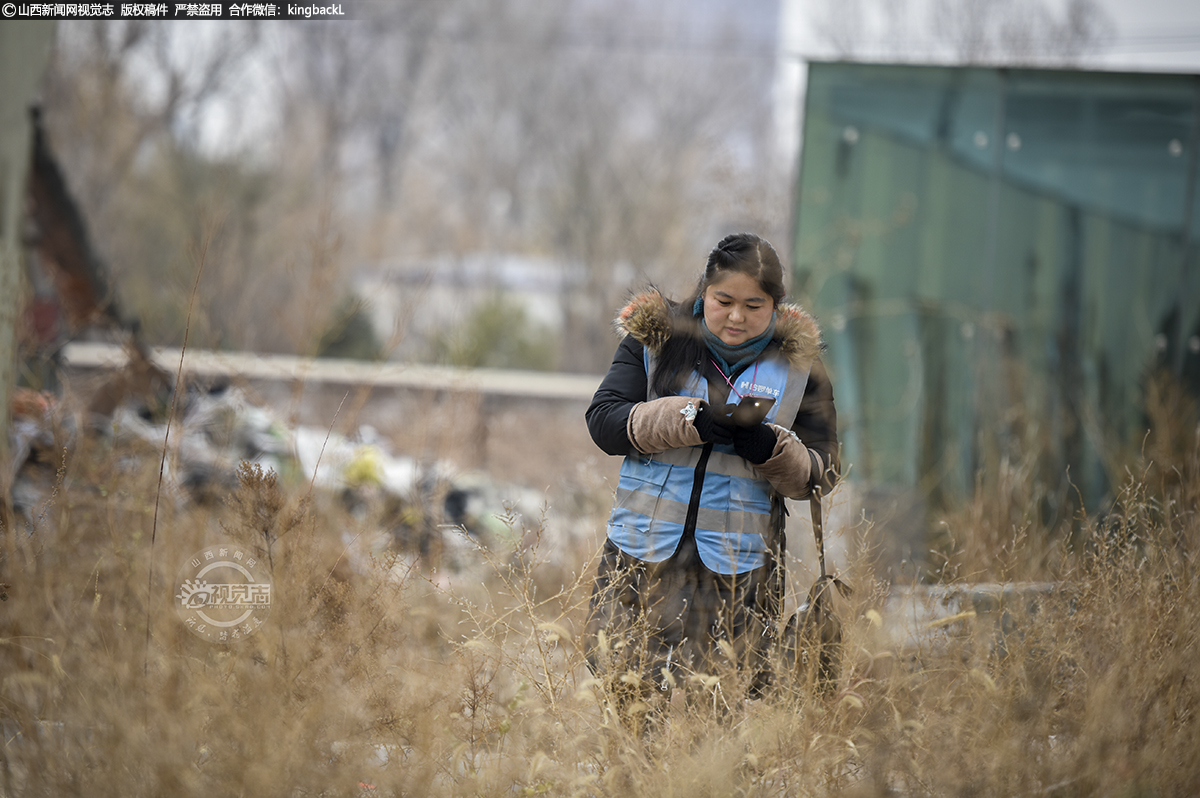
(377, 674)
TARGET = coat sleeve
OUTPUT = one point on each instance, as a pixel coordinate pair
(816, 424)
(622, 388)
(789, 469)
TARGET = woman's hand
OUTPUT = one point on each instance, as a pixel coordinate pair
(786, 462)
(755, 443)
(709, 425)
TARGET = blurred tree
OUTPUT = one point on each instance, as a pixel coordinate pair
(1019, 32)
(348, 90)
(1009, 32)
(618, 139)
(129, 105)
(622, 139)
(117, 89)
(498, 334)
(350, 334)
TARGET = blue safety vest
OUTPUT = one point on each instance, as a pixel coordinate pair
(732, 508)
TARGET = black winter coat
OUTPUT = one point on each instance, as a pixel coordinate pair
(626, 383)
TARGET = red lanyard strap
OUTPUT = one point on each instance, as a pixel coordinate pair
(753, 379)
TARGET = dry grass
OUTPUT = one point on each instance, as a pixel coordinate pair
(373, 676)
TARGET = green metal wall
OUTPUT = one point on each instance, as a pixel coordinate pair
(998, 258)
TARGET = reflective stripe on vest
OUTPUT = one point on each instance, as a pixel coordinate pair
(733, 518)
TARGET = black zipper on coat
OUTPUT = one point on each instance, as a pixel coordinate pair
(693, 512)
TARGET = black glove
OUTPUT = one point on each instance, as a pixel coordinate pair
(755, 443)
(710, 428)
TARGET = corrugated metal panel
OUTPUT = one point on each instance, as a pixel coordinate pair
(998, 257)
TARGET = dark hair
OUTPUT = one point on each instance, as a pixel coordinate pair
(744, 253)
(748, 254)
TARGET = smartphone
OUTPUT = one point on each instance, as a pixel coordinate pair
(751, 410)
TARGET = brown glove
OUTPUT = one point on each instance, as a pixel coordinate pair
(662, 424)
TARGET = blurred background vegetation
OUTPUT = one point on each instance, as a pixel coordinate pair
(292, 158)
(307, 162)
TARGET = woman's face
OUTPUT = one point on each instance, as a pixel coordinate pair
(736, 308)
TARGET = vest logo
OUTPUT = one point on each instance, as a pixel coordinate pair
(758, 389)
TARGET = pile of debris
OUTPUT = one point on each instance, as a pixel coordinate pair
(419, 507)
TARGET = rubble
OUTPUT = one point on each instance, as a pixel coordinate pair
(37, 438)
(429, 509)
(923, 618)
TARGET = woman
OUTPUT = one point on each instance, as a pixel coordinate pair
(690, 574)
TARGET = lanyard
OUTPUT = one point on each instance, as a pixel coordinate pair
(753, 379)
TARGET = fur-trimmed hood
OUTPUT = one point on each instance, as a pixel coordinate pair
(652, 319)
